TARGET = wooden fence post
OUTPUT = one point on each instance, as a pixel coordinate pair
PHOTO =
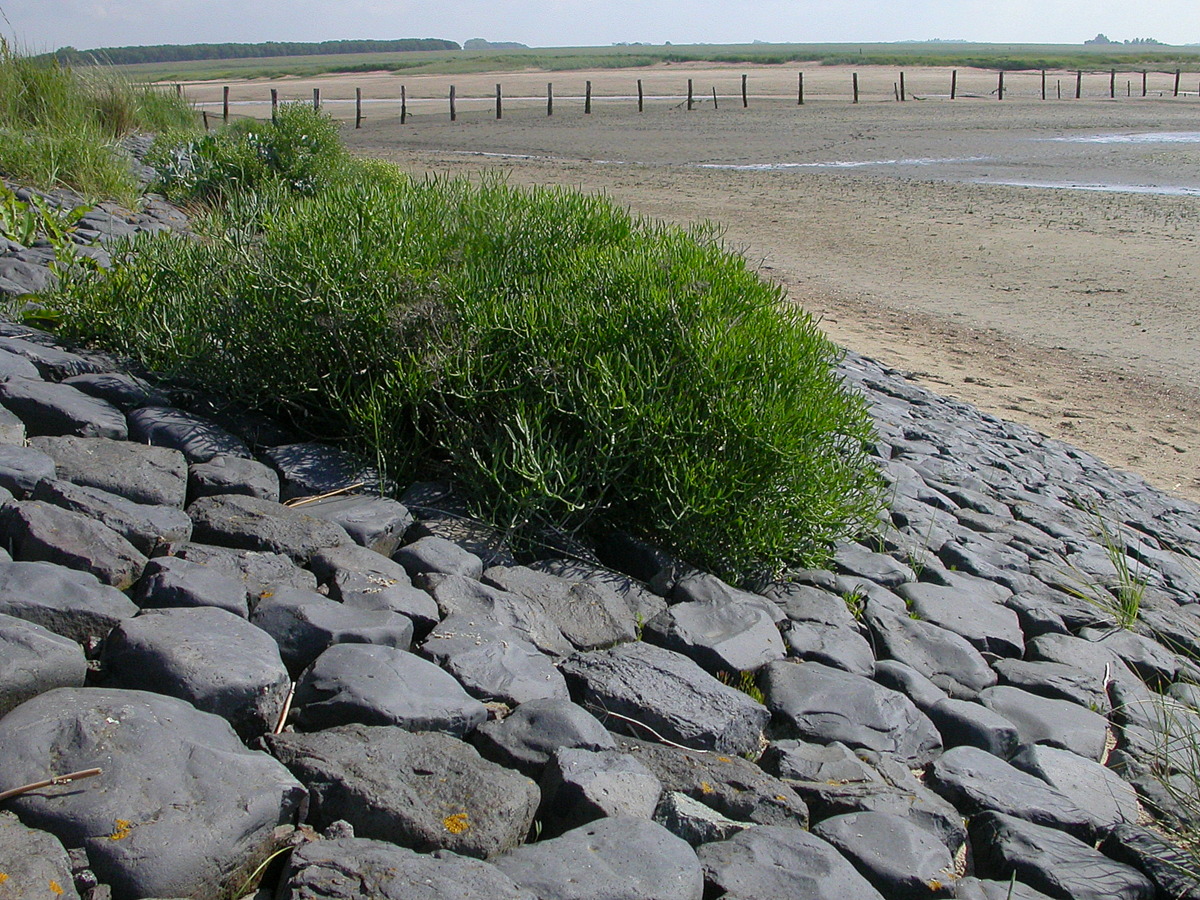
(587, 100)
(499, 104)
(316, 99)
(689, 100)
(902, 87)
(1176, 83)
(358, 107)
(403, 105)
(274, 102)
(549, 98)
(953, 83)
(1043, 84)
(745, 99)
(225, 104)
(714, 96)
(854, 79)
(640, 95)
(800, 90)
(1058, 87)
(1000, 86)
(453, 111)
(1112, 84)
(179, 90)
(1143, 82)
(204, 113)
(1078, 85)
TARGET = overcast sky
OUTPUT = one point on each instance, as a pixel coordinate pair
(49, 24)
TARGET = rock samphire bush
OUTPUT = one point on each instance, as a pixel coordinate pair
(566, 363)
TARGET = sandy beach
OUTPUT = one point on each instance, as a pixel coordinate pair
(1038, 259)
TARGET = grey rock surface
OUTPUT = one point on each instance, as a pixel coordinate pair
(580, 786)
(23, 468)
(232, 475)
(41, 532)
(902, 861)
(47, 408)
(34, 862)
(137, 472)
(527, 738)
(74, 604)
(198, 438)
(34, 660)
(377, 523)
(251, 523)
(423, 791)
(172, 581)
(150, 528)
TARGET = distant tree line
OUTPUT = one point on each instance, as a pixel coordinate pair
(119, 56)
(1136, 42)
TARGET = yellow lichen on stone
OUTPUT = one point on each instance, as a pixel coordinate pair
(457, 823)
(3, 877)
(55, 887)
(705, 787)
(121, 829)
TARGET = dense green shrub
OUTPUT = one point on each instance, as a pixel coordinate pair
(569, 364)
(299, 150)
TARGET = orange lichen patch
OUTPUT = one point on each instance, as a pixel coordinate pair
(3, 877)
(55, 887)
(705, 787)
(724, 759)
(457, 823)
(121, 829)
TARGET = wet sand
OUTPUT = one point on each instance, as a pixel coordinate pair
(1074, 310)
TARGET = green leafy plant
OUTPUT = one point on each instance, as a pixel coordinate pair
(744, 682)
(1122, 600)
(27, 222)
(856, 602)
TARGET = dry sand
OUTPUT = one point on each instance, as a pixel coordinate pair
(1074, 311)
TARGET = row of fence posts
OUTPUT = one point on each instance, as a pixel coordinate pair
(899, 92)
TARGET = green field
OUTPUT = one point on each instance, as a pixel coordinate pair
(990, 56)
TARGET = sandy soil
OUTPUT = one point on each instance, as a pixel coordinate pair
(1075, 311)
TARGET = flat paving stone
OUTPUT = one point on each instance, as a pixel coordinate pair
(47, 408)
(34, 660)
(1041, 720)
(137, 472)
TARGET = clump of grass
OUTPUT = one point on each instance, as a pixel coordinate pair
(744, 682)
(1122, 600)
(60, 129)
(571, 366)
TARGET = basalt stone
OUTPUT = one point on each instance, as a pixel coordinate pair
(831, 645)
(666, 694)
(438, 555)
(720, 636)
(123, 391)
(459, 594)
(618, 859)
(816, 702)
(802, 761)
(250, 523)
(23, 468)
(73, 604)
(494, 662)
(908, 681)
(1175, 873)
(422, 791)
(377, 523)
(259, 571)
(311, 468)
(12, 429)
(182, 806)
(527, 738)
(1052, 862)
(644, 603)
(1096, 789)
(693, 821)
(902, 861)
(940, 655)
(363, 579)
(35, 863)
(1149, 660)
(232, 475)
(474, 536)
(811, 605)
(589, 616)
(305, 624)
(770, 862)
(354, 868)
(198, 438)
(972, 888)
(975, 780)
(580, 786)
(701, 587)
(41, 532)
(213, 659)
(47, 408)
(732, 786)
(965, 723)
(1041, 720)
(34, 660)
(54, 363)
(374, 685)
(149, 528)
(170, 581)
(1055, 680)
(14, 365)
(986, 626)
(143, 474)
(855, 559)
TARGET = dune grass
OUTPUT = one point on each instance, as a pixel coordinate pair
(570, 366)
(59, 128)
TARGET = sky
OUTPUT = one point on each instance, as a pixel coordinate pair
(48, 24)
